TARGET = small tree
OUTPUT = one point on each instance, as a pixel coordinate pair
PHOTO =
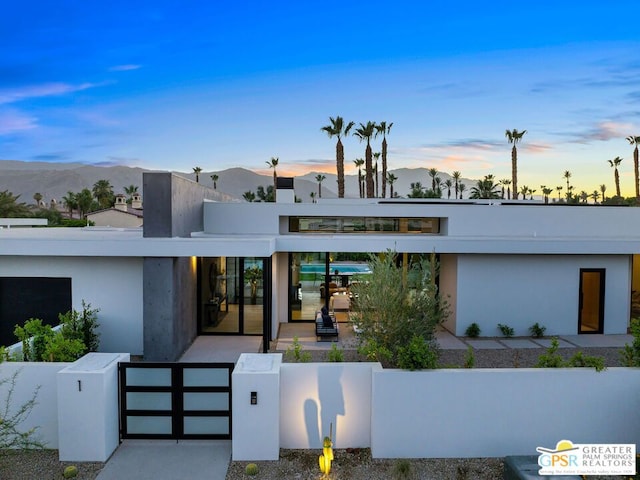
(11, 436)
(398, 307)
(82, 326)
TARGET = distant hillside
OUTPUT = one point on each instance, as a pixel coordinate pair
(54, 180)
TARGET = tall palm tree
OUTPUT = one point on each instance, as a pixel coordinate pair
(376, 155)
(513, 137)
(320, 178)
(462, 187)
(603, 188)
(595, 195)
(384, 129)
(616, 176)
(448, 183)
(359, 162)
(456, 178)
(273, 163)
(337, 128)
(547, 191)
(433, 173)
(559, 189)
(70, 201)
(84, 200)
(567, 176)
(635, 140)
(103, 193)
(214, 179)
(391, 179)
(505, 182)
(365, 132)
(197, 171)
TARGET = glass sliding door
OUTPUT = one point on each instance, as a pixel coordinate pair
(306, 282)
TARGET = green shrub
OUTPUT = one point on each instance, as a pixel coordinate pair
(34, 337)
(631, 353)
(418, 354)
(552, 359)
(506, 330)
(251, 469)
(402, 468)
(82, 326)
(472, 330)
(537, 330)
(61, 349)
(335, 354)
(469, 358)
(296, 354)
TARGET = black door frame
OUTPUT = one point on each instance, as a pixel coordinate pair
(602, 274)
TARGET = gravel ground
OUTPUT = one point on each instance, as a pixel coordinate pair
(353, 464)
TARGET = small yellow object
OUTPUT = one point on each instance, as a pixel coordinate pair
(327, 456)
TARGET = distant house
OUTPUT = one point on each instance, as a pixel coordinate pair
(121, 215)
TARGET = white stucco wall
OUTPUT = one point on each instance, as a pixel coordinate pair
(520, 290)
(115, 218)
(448, 287)
(114, 285)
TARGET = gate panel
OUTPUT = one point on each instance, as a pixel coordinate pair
(175, 400)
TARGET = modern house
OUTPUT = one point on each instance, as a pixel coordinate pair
(200, 267)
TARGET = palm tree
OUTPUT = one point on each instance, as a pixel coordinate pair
(524, 190)
(376, 155)
(513, 137)
(635, 140)
(337, 128)
(320, 178)
(365, 132)
(433, 172)
(197, 171)
(595, 196)
(567, 176)
(583, 196)
(70, 201)
(249, 196)
(616, 176)
(391, 179)
(384, 129)
(531, 192)
(313, 197)
(603, 188)
(559, 189)
(546, 191)
(462, 187)
(37, 197)
(130, 191)
(505, 182)
(84, 200)
(359, 163)
(456, 177)
(417, 191)
(438, 191)
(214, 179)
(10, 207)
(485, 189)
(103, 193)
(273, 163)
(448, 183)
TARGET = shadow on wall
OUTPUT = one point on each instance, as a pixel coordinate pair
(319, 418)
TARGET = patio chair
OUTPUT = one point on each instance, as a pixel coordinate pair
(326, 326)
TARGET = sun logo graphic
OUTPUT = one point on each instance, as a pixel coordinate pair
(570, 458)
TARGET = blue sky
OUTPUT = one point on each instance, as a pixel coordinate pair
(172, 85)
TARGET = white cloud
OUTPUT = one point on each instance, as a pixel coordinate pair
(12, 95)
(12, 121)
(124, 68)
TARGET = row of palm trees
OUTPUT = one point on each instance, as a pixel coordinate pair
(338, 128)
(101, 196)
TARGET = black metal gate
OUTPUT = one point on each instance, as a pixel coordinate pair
(175, 400)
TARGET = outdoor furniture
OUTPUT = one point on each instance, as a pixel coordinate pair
(340, 301)
(326, 327)
(333, 288)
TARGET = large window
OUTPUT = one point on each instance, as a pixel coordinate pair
(22, 298)
(414, 225)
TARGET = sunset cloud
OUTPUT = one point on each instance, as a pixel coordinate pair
(602, 132)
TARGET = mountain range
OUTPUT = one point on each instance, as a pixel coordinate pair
(54, 180)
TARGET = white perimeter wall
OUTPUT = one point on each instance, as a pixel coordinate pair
(112, 284)
(520, 290)
(313, 395)
(498, 412)
(44, 414)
